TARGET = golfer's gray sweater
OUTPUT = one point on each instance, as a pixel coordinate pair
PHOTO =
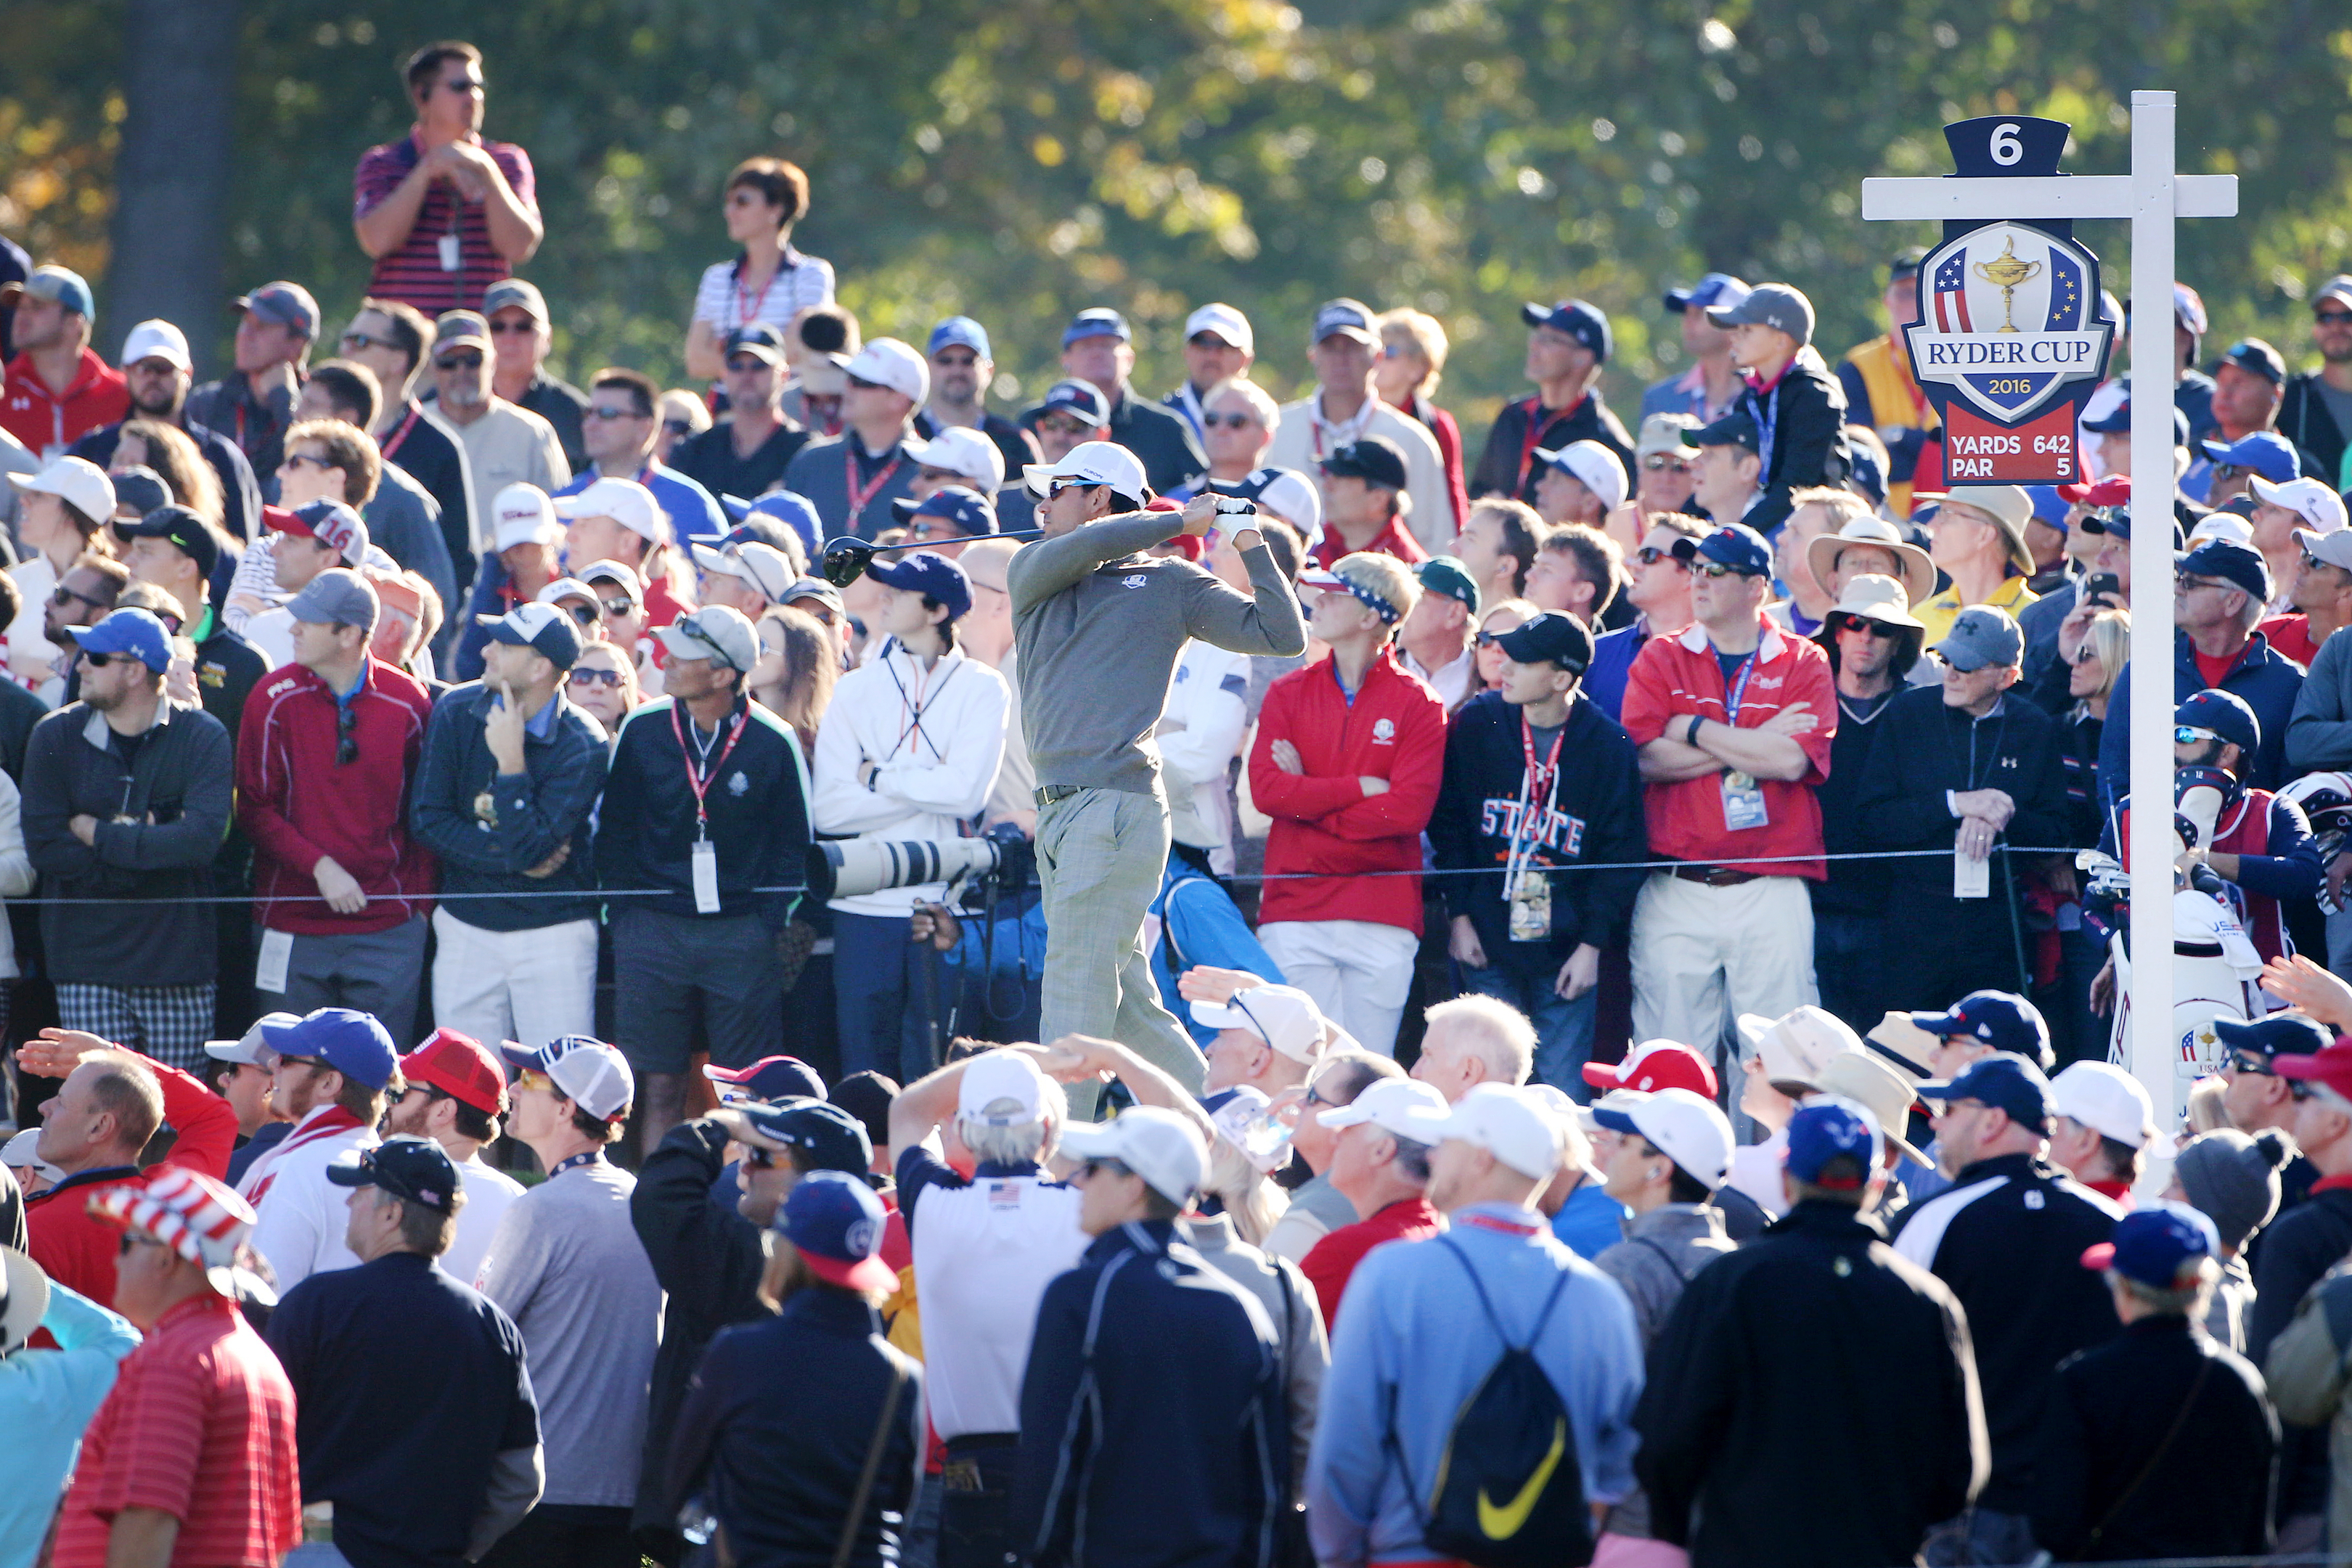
(1099, 627)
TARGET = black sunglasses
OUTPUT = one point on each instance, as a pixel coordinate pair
(65, 595)
(583, 613)
(585, 675)
(459, 362)
(2333, 318)
(1853, 623)
(1649, 556)
(2249, 1061)
(1658, 463)
(620, 606)
(1058, 486)
(514, 328)
(1235, 420)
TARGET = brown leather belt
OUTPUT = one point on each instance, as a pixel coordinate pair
(1714, 876)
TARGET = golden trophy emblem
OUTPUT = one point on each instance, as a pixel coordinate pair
(2005, 272)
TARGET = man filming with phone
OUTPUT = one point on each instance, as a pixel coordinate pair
(1098, 626)
(510, 770)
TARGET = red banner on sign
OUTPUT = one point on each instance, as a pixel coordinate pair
(1979, 452)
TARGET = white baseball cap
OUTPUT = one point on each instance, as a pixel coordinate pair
(888, 362)
(993, 1078)
(1226, 322)
(1510, 1124)
(1798, 1044)
(625, 501)
(1096, 463)
(250, 1048)
(766, 568)
(594, 1077)
(1596, 465)
(2107, 1099)
(523, 515)
(564, 588)
(77, 481)
(1688, 1129)
(2332, 549)
(961, 449)
(157, 339)
(2315, 499)
(1163, 1148)
(22, 1152)
(1404, 1106)
(1588, 1116)
(1282, 1015)
(1293, 496)
(2226, 525)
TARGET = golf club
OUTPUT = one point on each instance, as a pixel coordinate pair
(845, 559)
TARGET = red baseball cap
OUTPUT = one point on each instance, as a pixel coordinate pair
(2332, 1067)
(2113, 490)
(1655, 1065)
(460, 1067)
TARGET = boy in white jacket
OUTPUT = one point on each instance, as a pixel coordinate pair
(909, 749)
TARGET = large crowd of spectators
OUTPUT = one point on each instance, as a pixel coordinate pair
(1628, 871)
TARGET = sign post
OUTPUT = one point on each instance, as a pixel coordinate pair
(2007, 182)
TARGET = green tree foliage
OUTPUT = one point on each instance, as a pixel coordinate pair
(1020, 158)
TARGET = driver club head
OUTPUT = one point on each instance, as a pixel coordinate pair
(846, 559)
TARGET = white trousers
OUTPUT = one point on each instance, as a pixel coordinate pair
(528, 987)
(1701, 955)
(1359, 971)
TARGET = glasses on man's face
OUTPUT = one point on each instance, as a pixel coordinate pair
(1851, 623)
(457, 361)
(955, 359)
(608, 412)
(1659, 463)
(2250, 1062)
(930, 528)
(1649, 556)
(532, 1078)
(99, 660)
(298, 461)
(585, 674)
(65, 595)
(622, 606)
(347, 742)
(1716, 569)
(366, 341)
(513, 329)
(586, 614)
(1061, 427)
(2190, 735)
(758, 1159)
(1058, 486)
(2191, 584)
(2300, 1091)
(1234, 421)
(463, 86)
(2332, 317)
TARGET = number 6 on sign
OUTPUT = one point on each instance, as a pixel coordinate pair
(2006, 148)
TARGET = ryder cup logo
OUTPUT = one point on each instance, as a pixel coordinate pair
(2009, 319)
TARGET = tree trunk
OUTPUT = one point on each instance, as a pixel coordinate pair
(172, 175)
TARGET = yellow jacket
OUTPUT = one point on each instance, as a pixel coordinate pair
(1939, 613)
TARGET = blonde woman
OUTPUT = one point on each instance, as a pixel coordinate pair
(2090, 682)
(1411, 364)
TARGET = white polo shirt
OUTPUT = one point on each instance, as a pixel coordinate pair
(301, 1217)
(488, 1191)
(986, 1249)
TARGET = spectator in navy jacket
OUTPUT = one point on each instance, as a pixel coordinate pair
(511, 772)
(1538, 776)
(1797, 405)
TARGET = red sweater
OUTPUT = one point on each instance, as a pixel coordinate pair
(1449, 451)
(49, 422)
(1331, 1262)
(298, 806)
(78, 1251)
(1323, 821)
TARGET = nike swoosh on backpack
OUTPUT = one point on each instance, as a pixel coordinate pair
(1502, 1523)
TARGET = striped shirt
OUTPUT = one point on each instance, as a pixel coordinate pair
(411, 273)
(724, 301)
(201, 1426)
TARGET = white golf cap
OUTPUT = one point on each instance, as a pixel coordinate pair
(1282, 1015)
(2315, 499)
(21, 1153)
(1093, 463)
(768, 569)
(1293, 496)
(719, 632)
(2332, 548)
(1509, 1123)
(1598, 468)
(157, 339)
(2107, 1099)
(249, 1047)
(2221, 525)
(1588, 1116)
(594, 1077)
(1000, 1089)
(961, 449)
(1226, 322)
(1686, 1128)
(625, 501)
(1798, 1044)
(77, 481)
(523, 515)
(1163, 1148)
(886, 362)
(1404, 1106)
(564, 588)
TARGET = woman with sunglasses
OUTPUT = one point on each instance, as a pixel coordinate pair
(603, 684)
(61, 512)
(768, 281)
(799, 662)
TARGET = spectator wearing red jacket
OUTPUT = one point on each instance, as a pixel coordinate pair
(58, 388)
(1734, 720)
(110, 1106)
(324, 765)
(1348, 757)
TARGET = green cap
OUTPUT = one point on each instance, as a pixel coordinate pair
(1443, 574)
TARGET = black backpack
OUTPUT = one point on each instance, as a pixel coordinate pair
(1509, 1492)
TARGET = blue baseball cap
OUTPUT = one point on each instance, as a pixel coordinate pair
(2221, 713)
(1739, 547)
(2160, 1246)
(1715, 288)
(1734, 430)
(835, 1222)
(2119, 422)
(1580, 321)
(967, 509)
(59, 285)
(414, 1170)
(2004, 1081)
(1098, 321)
(2240, 565)
(2265, 452)
(1819, 1133)
(1865, 473)
(2002, 1019)
(2280, 1034)
(828, 1137)
(134, 632)
(1081, 400)
(758, 339)
(967, 333)
(2049, 506)
(769, 1078)
(350, 1042)
(792, 510)
(922, 572)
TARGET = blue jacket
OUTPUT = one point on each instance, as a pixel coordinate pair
(529, 814)
(2267, 680)
(1199, 924)
(756, 802)
(1133, 1456)
(1612, 660)
(1416, 1343)
(46, 1398)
